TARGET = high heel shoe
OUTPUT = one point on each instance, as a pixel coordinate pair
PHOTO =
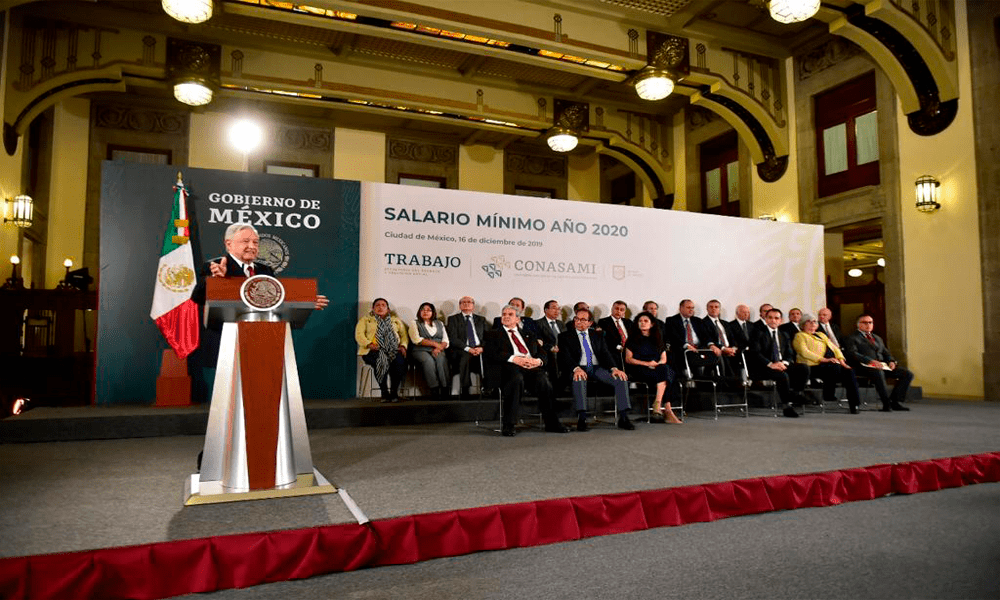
(657, 415)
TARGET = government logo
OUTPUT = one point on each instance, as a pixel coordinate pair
(176, 278)
(273, 252)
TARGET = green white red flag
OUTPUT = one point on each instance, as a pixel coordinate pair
(173, 310)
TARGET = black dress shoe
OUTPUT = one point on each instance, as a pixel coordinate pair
(625, 423)
(790, 412)
(556, 428)
(899, 407)
(508, 431)
(885, 408)
(854, 410)
(581, 424)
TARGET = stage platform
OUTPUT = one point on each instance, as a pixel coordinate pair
(80, 495)
(78, 423)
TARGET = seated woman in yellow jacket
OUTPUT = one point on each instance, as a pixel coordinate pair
(826, 362)
(382, 341)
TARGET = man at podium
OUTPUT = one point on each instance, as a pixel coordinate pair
(242, 245)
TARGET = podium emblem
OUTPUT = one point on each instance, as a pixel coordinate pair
(262, 292)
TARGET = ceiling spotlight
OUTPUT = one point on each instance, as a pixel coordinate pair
(855, 272)
(193, 92)
(792, 11)
(653, 84)
(245, 135)
(561, 139)
(189, 11)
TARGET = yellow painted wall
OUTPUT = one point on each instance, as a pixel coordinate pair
(943, 298)
(480, 169)
(780, 198)
(68, 197)
(359, 155)
(10, 186)
(209, 143)
(680, 160)
(584, 178)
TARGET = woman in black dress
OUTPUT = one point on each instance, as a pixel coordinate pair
(646, 360)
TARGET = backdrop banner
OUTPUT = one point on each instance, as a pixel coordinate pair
(414, 244)
(424, 244)
(308, 228)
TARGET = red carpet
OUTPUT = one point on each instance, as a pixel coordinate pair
(233, 561)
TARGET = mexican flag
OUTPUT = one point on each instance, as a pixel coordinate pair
(174, 312)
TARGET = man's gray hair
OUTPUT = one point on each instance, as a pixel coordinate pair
(513, 308)
(238, 227)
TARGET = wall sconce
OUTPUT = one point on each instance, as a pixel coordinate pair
(189, 11)
(667, 58)
(193, 68)
(570, 119)
(792, 11)
(21, 210)
(14, 282)
(927, 194)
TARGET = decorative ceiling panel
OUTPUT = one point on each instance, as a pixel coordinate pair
(663, 8)
(404, 51)
(530, 74)
(274, 29)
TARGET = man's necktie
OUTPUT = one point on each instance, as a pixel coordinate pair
(621, 330)
(249, 270)
(746, 334)
(871, 339)
(829, 333)
(555, 328)
(470, 331)
(517, 342)
(722, 334)
(688, 332)
(585, 342)
(775, 354)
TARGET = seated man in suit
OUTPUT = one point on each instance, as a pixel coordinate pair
(827, 326)
(772, 357)
(722, 341)
(652, 308)
(581, 305)
(792, 327)
(870, 356)
(585, 354)
(526, 324)
(741, 327)
(465, 335)
(516, 356)
(617, 329)
(687, 335)
(761, 324)
(549, 327)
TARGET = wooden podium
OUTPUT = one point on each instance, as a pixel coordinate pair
(256, 445)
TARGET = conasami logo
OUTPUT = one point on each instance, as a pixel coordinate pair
(273, 252)
(496, 266)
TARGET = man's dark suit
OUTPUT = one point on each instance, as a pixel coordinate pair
(549, 339)
(602, 361)
(206, 355)
(860, 351)
(790, 329)
(677, 338)
(461, 361)
(827, 328)
(761, 354)
(233, 269)
(732, 366)
(615, 343)
(741, 333)
(526, 324)
(512, 379)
